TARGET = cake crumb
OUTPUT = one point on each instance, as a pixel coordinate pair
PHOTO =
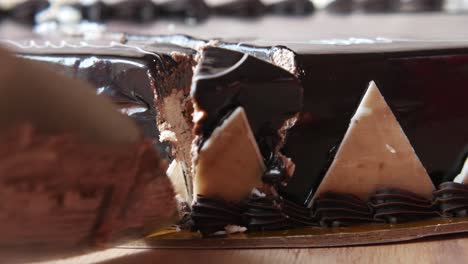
(167, 135)
(231, 229)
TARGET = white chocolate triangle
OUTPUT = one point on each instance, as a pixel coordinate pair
(229, 164)
(375, 153)
(176, 175)
(463, 176)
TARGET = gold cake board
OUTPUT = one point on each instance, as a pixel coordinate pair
(310, 237)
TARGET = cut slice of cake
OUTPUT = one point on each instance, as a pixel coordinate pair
(73, 170)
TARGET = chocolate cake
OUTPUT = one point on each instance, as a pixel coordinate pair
(72, 177)
(273, 134)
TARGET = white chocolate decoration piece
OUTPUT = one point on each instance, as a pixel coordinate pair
(463, 176)
(375, 153)
(229, 164)
(176, 175)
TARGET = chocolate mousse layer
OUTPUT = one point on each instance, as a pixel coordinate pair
(451, 199)
(341, 209)
(396, 205)
(60, 192)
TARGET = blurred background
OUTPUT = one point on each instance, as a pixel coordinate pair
(239, 19)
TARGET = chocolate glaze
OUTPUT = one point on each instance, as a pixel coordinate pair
(134, 79)
(226, 79)
(395, 206)
(275, 174)
(341, 209)
(452, 199)
(411, 83)
(211, 215)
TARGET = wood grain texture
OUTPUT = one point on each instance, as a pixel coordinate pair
(452, 249)
(309, 237)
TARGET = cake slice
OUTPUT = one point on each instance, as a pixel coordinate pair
(72, 176)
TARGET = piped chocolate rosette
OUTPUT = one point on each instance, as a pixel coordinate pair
(341, 209)
(373, 154)
(212, 215)
(396, 206)
(270, 211)
(452, 197)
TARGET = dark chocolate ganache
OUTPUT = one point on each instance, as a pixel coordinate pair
(341, 209)
(395, 206)
(411, 83)
(274, 213)
(451, 198)
(136, 79)
(211, 215)
(226, 79)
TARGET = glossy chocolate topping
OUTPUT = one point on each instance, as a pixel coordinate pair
(341, 209)
(211, 215)
(276, 173)
(411, 84)
(452, 199)
(226, 79)
(136, 79)
(396, 206)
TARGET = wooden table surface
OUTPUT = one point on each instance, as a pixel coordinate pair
(449, 249)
